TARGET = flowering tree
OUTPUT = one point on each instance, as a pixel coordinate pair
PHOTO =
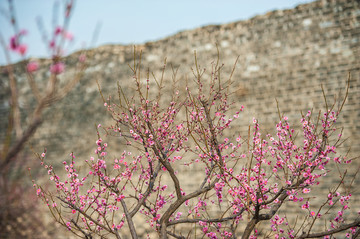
(18, 131)
(245, 180)
(45, 96)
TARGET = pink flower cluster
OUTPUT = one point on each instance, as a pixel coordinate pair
(16, 45)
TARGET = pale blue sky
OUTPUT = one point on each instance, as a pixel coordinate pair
(130, 22)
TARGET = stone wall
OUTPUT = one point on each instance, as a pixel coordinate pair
(284, 55)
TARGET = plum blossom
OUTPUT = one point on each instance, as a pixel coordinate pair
(32, 66)
(57, 68)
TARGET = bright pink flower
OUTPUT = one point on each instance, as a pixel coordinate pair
(14, 43)
(52, 44)
(58, 30)
(32, 66)
(305, 206)
(120, 225)
(22, 49)
(68, 224)
(57, 68)
(120, 197)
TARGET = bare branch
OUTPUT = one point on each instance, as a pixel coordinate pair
(341, 228)
(129, 220)
(19, 145)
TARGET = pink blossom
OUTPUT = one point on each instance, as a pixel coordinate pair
(82, 58)
(120, 225)
(58, 30)
(68, 225)
(52, 44)
(32, 66)
(305, 206)
(17, 47)
(22, 49)
(68, 35)
(14, 43)
(57, 68)
(120, 197)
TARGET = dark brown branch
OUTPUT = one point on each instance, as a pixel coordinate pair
(15, 112)
(171, 171)
(85, 215)
(174, 235)
(357, 233)
(249, 228)
(195, 220)
(344, 227)
(148, 191)
(129, 220)
(87, 235)
(117, 233)
(19, 145)
(163, 159)
(33, 86)
(164, 221)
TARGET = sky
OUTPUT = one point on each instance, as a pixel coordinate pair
(125, 22)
